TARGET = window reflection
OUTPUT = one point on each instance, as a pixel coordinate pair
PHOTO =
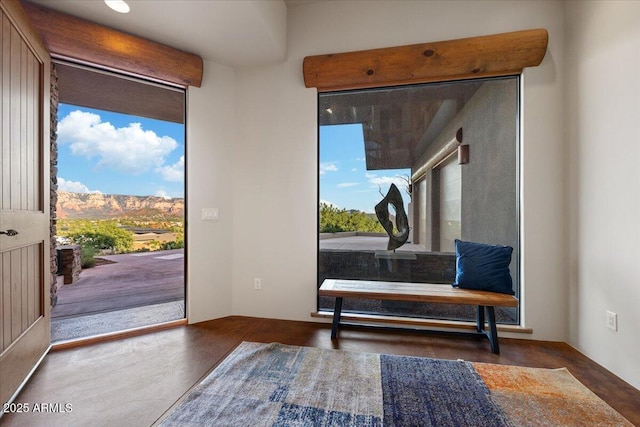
(408, 136)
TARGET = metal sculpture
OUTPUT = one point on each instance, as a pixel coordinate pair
(393, 198)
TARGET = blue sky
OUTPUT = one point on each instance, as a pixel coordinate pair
(344, 180)
(111, 153)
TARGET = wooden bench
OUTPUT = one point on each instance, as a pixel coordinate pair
(420, 292)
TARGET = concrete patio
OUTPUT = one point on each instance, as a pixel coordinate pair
(134, 290)
(363, 242)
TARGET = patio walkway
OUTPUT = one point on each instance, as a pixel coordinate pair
(366, 243)
(133, 280)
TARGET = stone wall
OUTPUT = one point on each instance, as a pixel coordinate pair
(70, 258)
(427, 267)
(54, 185)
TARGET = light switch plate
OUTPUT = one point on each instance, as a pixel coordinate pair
(210, 214)
(612, 320)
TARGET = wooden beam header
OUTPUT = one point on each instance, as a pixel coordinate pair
(68, 37)
(474, 57)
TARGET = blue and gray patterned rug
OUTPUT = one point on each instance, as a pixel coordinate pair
(280, 385)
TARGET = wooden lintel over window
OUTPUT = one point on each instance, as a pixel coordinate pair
(68, 37)
(474, 57)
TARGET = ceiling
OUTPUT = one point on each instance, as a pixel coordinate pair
(228, 32)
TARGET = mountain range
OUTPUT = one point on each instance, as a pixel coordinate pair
(102, 206)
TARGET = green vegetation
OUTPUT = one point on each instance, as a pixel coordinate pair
(99, 235)
(334, 220)
(88, 257)
(115, 236)
(154, 245)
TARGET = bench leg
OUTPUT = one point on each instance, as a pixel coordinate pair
(492, 333)
(480, 319)
(336, 318)
(495, 348)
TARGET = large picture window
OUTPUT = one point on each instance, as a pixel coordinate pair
(411, 136)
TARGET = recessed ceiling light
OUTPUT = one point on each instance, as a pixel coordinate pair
(118, 5)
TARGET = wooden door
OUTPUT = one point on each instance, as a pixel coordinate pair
(24, 200)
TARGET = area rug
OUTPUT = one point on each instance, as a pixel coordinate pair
(281, 385)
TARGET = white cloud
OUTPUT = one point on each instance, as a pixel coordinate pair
(328, 167)
(163, 194)
(348, 184)
(384, 182)
(74, 186)
(174, 172)
(333, 205)
(129, 149)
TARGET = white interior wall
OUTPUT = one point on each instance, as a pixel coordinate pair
(603, 128)
(275, 197)
(210, 138)
(274, 177)
(253, 154)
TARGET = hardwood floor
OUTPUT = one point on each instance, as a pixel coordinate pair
(134, 381)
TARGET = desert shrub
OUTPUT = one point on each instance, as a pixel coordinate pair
(102, 235)
(87, 257)
(165, 246)
(334, 220)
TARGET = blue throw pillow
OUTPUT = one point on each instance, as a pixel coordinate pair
(483, 267)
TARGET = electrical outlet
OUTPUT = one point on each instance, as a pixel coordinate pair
(257, 284)
(612, 320)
